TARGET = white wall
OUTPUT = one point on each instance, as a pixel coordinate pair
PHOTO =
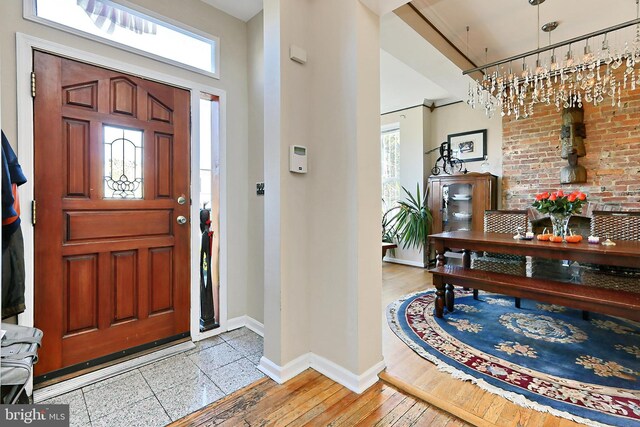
(233, 35)
(457, 118)
(255, 268)
(415, 128)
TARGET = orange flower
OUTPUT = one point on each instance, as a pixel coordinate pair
(582, 196)
(553, 197)
(560, 193)
(572, 197)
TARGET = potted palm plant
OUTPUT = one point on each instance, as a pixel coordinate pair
(411, 219)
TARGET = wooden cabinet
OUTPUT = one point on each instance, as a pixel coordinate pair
(458, 202)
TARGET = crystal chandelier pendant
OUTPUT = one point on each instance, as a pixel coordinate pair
(564, 82)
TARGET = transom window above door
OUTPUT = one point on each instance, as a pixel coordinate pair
(122, 163)
(117, 25)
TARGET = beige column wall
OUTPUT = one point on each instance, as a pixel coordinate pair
(322, 254)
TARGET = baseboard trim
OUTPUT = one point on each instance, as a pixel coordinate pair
(355, 383)
(405, 262)
(246, 321)
(282, 374)
(236, 323)
(108, 372)
(255, 326)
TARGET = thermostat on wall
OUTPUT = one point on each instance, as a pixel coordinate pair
(298, 159)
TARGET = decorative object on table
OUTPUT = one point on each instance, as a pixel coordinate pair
(447, 161)
(573, 238)
(559, 206)
(593, 239)
(411, 219)
(542, 356)
(518, 235)
(470, 146)
(561, 80)
(608, 242)
(572, 142)
(544, 236)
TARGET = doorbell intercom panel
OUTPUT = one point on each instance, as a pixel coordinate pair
(298, 159)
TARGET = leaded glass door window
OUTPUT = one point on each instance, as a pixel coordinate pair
(122, 163)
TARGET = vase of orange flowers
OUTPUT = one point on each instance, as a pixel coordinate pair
(560, 206)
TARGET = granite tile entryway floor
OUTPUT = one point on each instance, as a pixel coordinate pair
(167, 390)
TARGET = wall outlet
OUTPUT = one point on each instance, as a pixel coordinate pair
(260, 188)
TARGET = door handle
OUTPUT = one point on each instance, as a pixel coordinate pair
(182, 200)
(181, 220)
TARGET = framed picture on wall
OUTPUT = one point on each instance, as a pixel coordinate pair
(469, 146)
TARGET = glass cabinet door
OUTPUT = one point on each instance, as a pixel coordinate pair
(457, 207)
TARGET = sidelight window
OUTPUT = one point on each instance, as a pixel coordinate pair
(122, 163)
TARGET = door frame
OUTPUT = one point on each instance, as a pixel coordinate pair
(25, 44)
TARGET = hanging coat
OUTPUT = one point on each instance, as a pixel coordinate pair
(12, 242)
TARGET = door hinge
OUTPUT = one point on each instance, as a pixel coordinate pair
(33, 84)
(33, 212)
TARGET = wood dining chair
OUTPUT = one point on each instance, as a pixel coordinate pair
(509, 222)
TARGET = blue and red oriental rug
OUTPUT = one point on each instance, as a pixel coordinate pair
(541, 356)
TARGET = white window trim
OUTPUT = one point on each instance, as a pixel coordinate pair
(389, 128)
(29, 13)
(25, 44)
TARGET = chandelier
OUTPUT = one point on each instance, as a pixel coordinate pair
(564, 81)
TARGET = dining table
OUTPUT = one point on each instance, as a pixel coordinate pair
(596, 296)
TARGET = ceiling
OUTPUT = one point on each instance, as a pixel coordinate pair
(412, 71)
(241, 9)
(510, 27)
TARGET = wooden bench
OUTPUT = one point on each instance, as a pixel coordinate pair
(608, 301)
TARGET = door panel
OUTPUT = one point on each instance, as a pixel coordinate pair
(81, 293)
(111, 157)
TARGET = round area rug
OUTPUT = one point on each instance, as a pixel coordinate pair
(541, 356)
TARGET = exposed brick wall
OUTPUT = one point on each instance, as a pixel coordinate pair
(532, 163)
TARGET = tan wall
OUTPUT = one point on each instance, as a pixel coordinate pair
(532, 162)
(322, 263)
(255, 270)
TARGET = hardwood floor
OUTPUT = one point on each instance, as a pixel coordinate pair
(311, 399)
(411, 393)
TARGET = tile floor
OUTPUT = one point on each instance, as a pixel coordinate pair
(167, 390)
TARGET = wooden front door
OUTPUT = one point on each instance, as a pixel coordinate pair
(111, 157)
